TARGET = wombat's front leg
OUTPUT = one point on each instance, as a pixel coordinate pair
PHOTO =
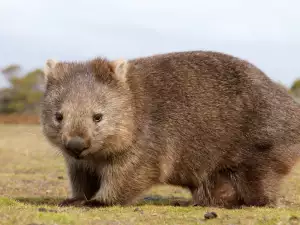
(121, 185)
(84, 182)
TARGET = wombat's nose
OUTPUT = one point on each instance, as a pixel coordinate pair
(76, 145)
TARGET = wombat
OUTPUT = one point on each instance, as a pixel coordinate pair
(207, 121)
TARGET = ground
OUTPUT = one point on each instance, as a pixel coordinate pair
(33, 181)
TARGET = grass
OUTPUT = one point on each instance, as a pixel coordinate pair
(19, 119)
(33, 181)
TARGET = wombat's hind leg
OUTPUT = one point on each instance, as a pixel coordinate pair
(218, 190)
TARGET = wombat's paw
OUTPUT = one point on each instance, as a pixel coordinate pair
(93, 203)
(71, 202)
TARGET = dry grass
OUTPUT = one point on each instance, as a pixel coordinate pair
(19, 119)
(33, 181)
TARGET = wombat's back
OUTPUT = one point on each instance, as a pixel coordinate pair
(212, 108)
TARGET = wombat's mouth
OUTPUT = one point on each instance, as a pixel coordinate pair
(86, 153)
(72, 154)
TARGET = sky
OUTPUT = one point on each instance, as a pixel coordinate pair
(266, 33)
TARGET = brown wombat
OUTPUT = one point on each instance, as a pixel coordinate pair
(207, 121)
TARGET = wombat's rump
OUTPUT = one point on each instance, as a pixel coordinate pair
(206, 121)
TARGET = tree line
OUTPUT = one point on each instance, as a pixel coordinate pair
(25, 90)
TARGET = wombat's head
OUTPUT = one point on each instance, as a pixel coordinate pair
(86, 109)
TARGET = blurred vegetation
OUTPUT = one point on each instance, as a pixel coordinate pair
(24, 92)
(295, 89)
(26, 89)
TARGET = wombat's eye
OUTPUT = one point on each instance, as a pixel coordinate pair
(97, 117)
(59, 117)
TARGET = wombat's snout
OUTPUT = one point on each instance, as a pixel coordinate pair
(76, 145)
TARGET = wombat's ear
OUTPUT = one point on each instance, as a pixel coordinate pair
(119, 68)
(49, 67)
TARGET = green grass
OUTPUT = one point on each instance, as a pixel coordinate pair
(33, 181)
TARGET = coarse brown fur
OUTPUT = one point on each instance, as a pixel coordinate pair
(207, 121)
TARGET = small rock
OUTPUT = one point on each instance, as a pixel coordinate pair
(42, 210)
(138, 210)
(210, 215)
(60, 177)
